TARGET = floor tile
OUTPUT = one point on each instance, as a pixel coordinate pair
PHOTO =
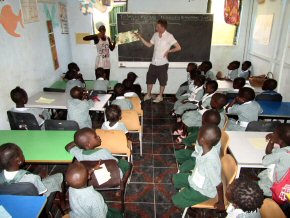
(167, 211)
(164, 161)
(138, 192)
(146, 148)
(142, 174)
(162, 138)
(159, 148)
(164, 175)
(139, 210)
(146, 160)
(164, 192)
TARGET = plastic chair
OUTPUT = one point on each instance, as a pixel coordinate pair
(262, 126)
(22, 121)
(229, 170)
(271, 209)
(267, 97)
(116, 142)
(224, 143)
(137, 107)
(131, 120)
(61, 125)
(23, 188)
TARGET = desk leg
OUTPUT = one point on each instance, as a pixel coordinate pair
(238, 172)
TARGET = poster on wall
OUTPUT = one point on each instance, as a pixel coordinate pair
(29, 11)
(263, 28)
(52, 44)
(63, 18)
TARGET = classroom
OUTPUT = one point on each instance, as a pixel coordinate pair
(86, 130)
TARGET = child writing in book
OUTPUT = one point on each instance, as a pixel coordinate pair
(277, 158)
(74, 79)
(11, 160)
(71, 67)
(84, 200)
(85, 147)
(78, 107)
(19, 97)
(114, 115)
(245, 197)
(101, 84)
(186, 157)
(120, 100)
(205, 180)
(245, 108)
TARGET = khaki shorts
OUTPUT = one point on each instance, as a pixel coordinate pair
(157, 72)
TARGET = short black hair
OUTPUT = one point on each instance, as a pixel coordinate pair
(269, 84)
(80, 136)
(99, 72)
(211, 133)
(212, 116)
(240, 82)
(283, 131)
(247, 195)
(128, 84)
(237, 63)
(200, 78)
(132, 76)
(248, 63)
(17, 94)
(213, 84)
(248, 94)
(8, 152)
(102, 28)
(113, 113)
(208, 63)
(119, 89)
(76, 92)
(73, 67)
(163, 23)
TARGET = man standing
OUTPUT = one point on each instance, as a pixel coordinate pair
(164, 43)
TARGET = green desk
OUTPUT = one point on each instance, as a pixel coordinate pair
(40, 146)
(61, 84)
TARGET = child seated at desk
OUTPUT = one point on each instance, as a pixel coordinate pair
(129, 91)
(269, 87)
(245, 71)
(101, 84)
(78, 107)
(205, 68)
(136, 86)
(205, 180)
(184, 87)
(120, 100)
(74, 79)
(85, 147)
(114, 115)
(277, 158)
(245, 197)
(202, 105)
(186, 157)
(19, 97)
(71, 67)
(84, 200)
(12, 158)
(238, 83)
(195, 95)
(245, 107)
(233, 71)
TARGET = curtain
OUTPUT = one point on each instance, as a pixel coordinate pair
(232, 12)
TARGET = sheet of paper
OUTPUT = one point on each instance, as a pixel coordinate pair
(102, 175)
(4, 213)
(45, 100)
(258, 143)
(127, 37)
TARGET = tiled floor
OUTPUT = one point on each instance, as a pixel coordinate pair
(149, 192)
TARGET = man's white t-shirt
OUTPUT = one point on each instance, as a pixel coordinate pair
(161, 45)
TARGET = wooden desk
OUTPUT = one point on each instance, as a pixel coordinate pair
(225, 86)
(40, 146)
(61, 84)
(23, 206)
(60, 101)
(275, 110)
(245, 151)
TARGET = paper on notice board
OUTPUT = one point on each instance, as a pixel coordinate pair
(43, 100)
(127, 37)
(102, 175)
(258, 143)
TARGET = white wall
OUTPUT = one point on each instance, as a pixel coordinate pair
(274, 57)
(85, 55)
(27, 61)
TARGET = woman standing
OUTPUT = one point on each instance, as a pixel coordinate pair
(104, 44)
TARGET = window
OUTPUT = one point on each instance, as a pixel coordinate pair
(223, 33)
(113, 18)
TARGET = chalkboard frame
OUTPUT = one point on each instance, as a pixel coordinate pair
(173, 64)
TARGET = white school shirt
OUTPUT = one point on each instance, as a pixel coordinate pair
(194, 92)
(103, 54)
(161, 45)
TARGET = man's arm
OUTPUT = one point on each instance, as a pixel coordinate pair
(176, 48)
(147, 44)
